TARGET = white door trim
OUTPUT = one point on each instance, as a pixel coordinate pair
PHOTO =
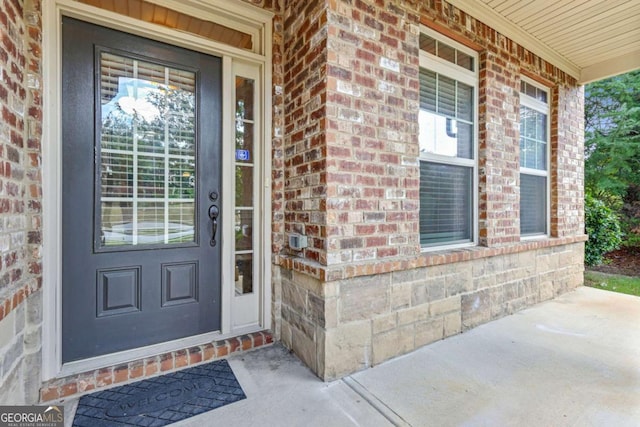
(252, 19)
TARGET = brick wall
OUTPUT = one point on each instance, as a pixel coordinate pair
(365, 207)
(567, 154)
(372, 106)
(364, 293)
(20, 198)
(305, 153)
(498, 151)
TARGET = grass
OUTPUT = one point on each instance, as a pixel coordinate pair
(612, 282)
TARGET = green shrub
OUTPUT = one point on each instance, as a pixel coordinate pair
(603, 228)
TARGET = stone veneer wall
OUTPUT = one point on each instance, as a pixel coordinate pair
(363, 292)
(343, 326)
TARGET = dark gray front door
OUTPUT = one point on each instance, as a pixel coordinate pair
(141, 180)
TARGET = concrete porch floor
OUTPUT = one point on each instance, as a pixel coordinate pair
(573, 361)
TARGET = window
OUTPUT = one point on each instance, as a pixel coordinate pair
(447, 120)
(534, 159)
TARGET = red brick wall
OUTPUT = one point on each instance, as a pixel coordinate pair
(498, 151)
(372, 147)
(20, 190)
(567, 154)
(351, 175)
(305, 151)
(363, 206)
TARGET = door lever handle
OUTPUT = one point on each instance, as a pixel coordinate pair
(213, 215)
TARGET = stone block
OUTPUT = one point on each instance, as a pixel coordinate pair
(304, 281)
(12, 353)
(7, 327)
(31, 364)
(419, 294)
(436, 289)
(407, 276)
(452, 324)
(12, 390)
(347, 349)
(516, 305)
(305, 348)
(298, 322)
(476, 308)
(393, 343)
(498, 301)
(401, 295)
(512, 290)
(413, 314)
(510, 261)
(294, 297)
(34, 308)
(32, 339)
(285, 333)
(363, 298)
(459, 282)
(479, 268)
(20, 319)
(486, 281)
(429, 331)
(444, 306)
(385, 323)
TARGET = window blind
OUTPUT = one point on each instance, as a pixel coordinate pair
(446, 203)
(533, 204)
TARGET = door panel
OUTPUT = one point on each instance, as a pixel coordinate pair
(141, 151)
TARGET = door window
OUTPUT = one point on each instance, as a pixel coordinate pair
(147, 152)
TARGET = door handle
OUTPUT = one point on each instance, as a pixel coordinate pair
(213, 215)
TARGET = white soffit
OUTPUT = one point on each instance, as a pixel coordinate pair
(588, 39)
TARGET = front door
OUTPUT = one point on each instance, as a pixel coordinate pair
(141, 181)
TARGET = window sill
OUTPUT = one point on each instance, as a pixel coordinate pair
(476, 252)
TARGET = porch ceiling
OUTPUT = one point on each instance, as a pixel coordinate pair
(589, 39)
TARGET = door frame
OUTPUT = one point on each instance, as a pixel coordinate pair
(250, 19)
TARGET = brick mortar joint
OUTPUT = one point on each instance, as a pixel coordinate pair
(425, 259)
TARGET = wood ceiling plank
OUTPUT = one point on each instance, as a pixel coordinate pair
(147, 12)
(135, 9)
(121, 7)
(172, 18)
(159, 15)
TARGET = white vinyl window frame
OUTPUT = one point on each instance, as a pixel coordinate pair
(471, 78)
(248, 18)
(543, 108)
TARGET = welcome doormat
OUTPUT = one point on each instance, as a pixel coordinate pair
(161, 400)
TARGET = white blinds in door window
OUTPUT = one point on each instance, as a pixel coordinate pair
(147, 153)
